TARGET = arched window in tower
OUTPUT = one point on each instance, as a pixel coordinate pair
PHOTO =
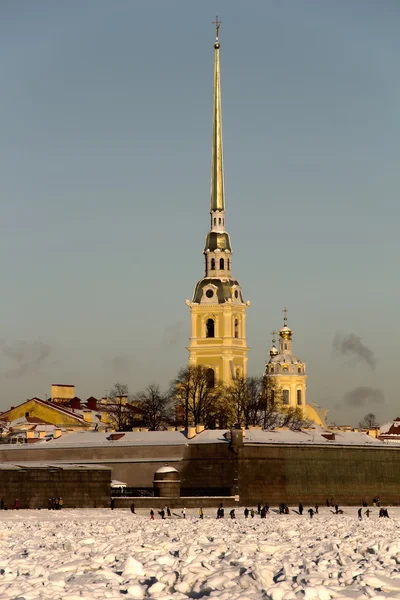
(285, 346)
(212, 267)
(299, 369)
(236, 333)
(210, 376)
(210, 333)
(229, 265)
(271, 369)
(219, 221)
(285, 397)
(215, 221)
(221, 264)
(237, 373)
(299, 398)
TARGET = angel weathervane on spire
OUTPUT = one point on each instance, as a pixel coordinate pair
(217, 24)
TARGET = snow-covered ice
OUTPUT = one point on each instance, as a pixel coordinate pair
(91, 554)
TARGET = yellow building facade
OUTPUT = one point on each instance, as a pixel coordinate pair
(218, 311)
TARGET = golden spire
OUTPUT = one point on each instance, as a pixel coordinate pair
(217, 169)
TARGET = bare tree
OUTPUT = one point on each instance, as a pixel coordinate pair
(198, 397)
(237, 401)
(155, 407)
(121, 412)
(368, 421)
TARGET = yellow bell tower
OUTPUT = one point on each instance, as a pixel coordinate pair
(218, 312)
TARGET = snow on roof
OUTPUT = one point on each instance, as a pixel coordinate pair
(311, 436)
(391, 428)
(92, 439)
(129, 438)
(46, 465)
(166, 469)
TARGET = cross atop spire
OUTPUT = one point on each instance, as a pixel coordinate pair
(217, 24)
(273, 333)
(285, 312)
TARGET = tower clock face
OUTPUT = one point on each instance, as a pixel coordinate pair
(209, 293)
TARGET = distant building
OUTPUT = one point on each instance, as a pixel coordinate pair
(390, 432)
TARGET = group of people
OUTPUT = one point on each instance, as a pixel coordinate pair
(263, 510)
(4, 507)
(55, 503)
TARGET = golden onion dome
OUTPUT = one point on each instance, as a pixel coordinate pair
(285, 333)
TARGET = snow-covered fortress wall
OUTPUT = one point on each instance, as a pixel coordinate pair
(262, 466)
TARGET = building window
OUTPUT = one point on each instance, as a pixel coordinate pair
(215, 221)
(221, 264)
(210, 328)
(212, 264)
(271, 370)
(229, 264)
(210, 375)
(272, 397)
(299, 370)
(237, 373)
(219, 221)
(285, 397)
(285, 369)
(27, 414)
(236, 328)
(285, 346)
(299, 400)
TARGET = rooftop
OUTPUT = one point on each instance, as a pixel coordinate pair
(90, 439)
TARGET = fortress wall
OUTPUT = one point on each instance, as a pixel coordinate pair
(87, 488)
(312, 474)
(260, 473)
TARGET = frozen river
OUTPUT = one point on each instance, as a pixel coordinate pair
(88, 554)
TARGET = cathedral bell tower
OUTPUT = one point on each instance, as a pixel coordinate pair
(218, 312)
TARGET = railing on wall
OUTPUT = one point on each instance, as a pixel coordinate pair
(132, 492)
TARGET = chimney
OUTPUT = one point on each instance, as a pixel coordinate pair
(191, 432)
(87, 416)
(75, 403)
(91, 403)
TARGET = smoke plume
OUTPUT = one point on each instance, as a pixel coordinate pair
(173, 334)
(351, 345)
(363, 395)
(26, 357)
(120, 363)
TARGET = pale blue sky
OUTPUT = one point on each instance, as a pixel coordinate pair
(106, 114)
